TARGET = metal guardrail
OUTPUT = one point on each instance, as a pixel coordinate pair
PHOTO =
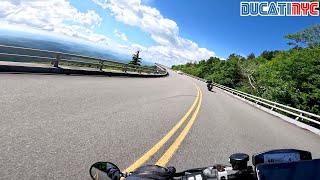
(162, 68)
(56, 57)
(297, 113)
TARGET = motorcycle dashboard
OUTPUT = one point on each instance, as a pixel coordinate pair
(281, 155)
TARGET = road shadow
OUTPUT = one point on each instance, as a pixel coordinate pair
(213, 91)
(52, 74)
(71, 75)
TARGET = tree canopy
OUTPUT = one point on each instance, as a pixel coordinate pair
(136, 60)
(309, 37)
(289, 77)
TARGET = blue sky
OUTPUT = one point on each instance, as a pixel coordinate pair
(166, 31)
(216, 25)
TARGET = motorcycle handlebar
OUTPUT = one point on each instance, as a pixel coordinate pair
(218, 172)
(246, 177)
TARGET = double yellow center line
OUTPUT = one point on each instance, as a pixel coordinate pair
(173, 148)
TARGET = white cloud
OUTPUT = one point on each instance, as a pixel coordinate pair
(120, 35)
(163, 31)
(103, 4)
(138, 47)
(55, 15)
(60, 17)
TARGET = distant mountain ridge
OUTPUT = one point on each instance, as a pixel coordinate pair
(56, 46)
(51, 43)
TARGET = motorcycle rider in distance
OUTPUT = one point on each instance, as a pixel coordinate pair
(209, 84)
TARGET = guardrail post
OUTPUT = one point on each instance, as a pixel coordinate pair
(125, 69)
(101, 65)
(56, 61)
(273, 107)
(297, 118)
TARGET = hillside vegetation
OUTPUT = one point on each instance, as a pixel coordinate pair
(289, 77)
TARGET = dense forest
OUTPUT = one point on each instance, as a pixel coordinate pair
(289, 77)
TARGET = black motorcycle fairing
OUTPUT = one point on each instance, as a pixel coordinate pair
(153, 172)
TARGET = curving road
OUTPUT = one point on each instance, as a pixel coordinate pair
(56, 126)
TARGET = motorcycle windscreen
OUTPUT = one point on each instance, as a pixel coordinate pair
(289, 171)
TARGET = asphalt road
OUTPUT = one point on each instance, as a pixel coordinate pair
(56, 126)
(226, 125)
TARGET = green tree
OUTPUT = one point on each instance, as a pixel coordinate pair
(136, 60)
(292, 78)
(309, 37)
(289, 77)
(251, 56)
(268, 55)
